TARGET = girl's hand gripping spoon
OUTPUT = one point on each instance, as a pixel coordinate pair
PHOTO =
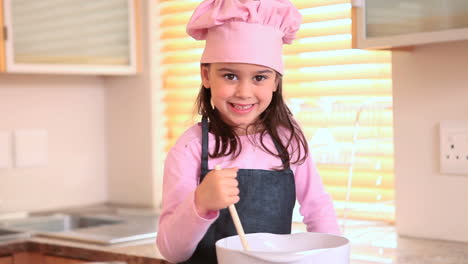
(237, 223)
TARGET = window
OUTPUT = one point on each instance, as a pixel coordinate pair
(341, 97)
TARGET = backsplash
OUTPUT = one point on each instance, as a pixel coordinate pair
(70, 110)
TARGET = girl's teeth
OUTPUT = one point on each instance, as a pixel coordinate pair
(240, 107)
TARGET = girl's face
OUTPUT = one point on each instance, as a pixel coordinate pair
(239, 91)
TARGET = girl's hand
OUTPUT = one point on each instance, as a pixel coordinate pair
(218, 190)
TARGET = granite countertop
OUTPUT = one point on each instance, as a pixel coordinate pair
(371, 242)
(382, 249)
(378, 242)
(141, 252)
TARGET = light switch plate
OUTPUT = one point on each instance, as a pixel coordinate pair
(454, 147)
(6, 160)
(31, 148)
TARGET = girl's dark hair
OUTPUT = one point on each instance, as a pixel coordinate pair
(276, 115)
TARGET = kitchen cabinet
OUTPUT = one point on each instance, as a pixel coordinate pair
(2, 37)
(6, 260)
(383, 24)
(60, 260)
(35, 257)
(70, 37)
(27, 257)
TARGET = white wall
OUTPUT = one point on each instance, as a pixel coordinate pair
(135, 127)
(72, 110)
(105, 135)
(430, 84)
(129, 141)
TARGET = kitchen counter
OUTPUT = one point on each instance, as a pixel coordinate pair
(382, 248)
(141, 252)
(371, 242)
(90, 225)
(378, 242)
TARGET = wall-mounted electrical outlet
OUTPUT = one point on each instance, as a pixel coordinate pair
(5, 150)
(454, 147)
(31, 148)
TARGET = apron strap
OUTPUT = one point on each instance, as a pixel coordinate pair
(279, 151)
(204, 161)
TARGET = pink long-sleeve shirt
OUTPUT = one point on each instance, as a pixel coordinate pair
(181, 228)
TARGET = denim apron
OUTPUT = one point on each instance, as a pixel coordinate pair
(266, 205)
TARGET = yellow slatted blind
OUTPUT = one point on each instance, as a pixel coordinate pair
(340, 96)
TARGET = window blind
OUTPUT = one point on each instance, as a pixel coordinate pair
(340, 96)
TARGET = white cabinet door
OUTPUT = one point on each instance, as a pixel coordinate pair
(2, 37)
(399, 23)
(71, 36)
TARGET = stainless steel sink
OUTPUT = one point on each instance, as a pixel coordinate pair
(9, 234)
(56, 223)
(94, 228)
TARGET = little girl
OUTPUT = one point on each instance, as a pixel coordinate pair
(246, 129)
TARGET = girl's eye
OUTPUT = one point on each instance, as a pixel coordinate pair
(260, 78)
(230, 76)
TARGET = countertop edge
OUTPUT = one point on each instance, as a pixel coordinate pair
(87, 254)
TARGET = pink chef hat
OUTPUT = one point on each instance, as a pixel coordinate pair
(245, 31)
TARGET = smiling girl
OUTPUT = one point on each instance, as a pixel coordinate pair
(247, 129)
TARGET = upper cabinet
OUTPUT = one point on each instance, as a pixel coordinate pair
(70, 37)
(2, 39)
(386, 24)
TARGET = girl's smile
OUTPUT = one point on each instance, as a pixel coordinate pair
(242, 108)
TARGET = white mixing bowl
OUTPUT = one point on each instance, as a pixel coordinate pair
(299, 248)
